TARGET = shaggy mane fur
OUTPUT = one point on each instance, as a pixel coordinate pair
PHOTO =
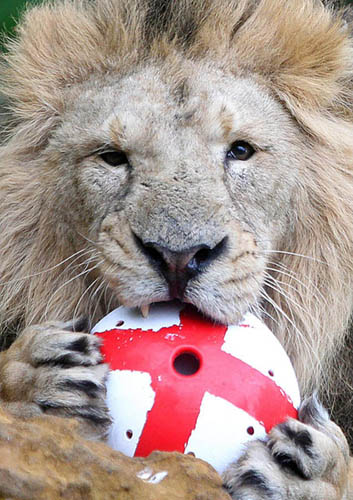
(301, 51)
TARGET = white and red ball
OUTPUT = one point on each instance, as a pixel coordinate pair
(179, 382)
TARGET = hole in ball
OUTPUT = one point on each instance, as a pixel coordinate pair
(250, 430)
(120, 323)
(271, 374)
(191, 453)
(186, 363)
(129, 434)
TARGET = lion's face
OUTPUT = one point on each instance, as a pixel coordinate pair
(184, 183)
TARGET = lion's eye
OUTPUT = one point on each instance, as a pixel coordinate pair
(240, 150)
(114, 158)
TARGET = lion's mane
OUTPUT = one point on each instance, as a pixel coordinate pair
(301, 51)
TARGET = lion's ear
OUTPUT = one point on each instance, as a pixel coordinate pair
(301, 48)
(314, 62)
(58, 45)
(45, 56)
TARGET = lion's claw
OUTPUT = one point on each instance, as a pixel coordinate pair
(56, 372)
(299, 461)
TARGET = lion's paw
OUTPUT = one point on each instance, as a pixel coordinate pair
(301, 460)
(53, 370)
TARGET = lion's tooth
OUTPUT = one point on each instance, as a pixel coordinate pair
(145, 310)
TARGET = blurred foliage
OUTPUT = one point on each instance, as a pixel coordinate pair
(10, 10)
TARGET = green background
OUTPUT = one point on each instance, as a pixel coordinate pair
(11, 9)
(9, 12)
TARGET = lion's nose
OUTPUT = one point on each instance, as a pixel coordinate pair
(180, 267)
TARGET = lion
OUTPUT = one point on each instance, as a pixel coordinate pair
(192, 150)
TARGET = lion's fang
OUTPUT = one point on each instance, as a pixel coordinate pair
(145, 310)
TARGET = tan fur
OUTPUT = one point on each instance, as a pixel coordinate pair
(309, 68)
(298, 53)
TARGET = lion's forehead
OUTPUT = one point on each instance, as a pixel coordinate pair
(151, 107)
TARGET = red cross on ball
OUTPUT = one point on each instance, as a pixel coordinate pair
(180, 382)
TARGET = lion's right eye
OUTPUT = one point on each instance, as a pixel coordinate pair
(240, 150)
(114, 158)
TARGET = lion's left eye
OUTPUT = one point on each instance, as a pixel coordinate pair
(114, 158)
(240, 150)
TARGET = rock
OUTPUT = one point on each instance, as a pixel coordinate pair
(45, 458)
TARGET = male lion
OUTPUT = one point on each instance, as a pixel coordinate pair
(191, 149)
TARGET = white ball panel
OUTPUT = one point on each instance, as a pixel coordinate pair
(129, 398)
(161, 315)
(221, 432)
(259, 348)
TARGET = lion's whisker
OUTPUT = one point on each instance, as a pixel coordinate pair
(96, 297)
(87, 291)
(86, 262)
(262, 311)
(294, 288)
(280, 311)
(67, 282)
(77, 255)
(289, 300)
(294, 254)
(306, 286)
(94, 243)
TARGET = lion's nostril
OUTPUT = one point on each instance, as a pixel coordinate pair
(178, 267)
(202, 256)
(200, 260)
(206, 255)
(153, 253)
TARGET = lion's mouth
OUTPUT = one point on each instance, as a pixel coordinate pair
(145, 309)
